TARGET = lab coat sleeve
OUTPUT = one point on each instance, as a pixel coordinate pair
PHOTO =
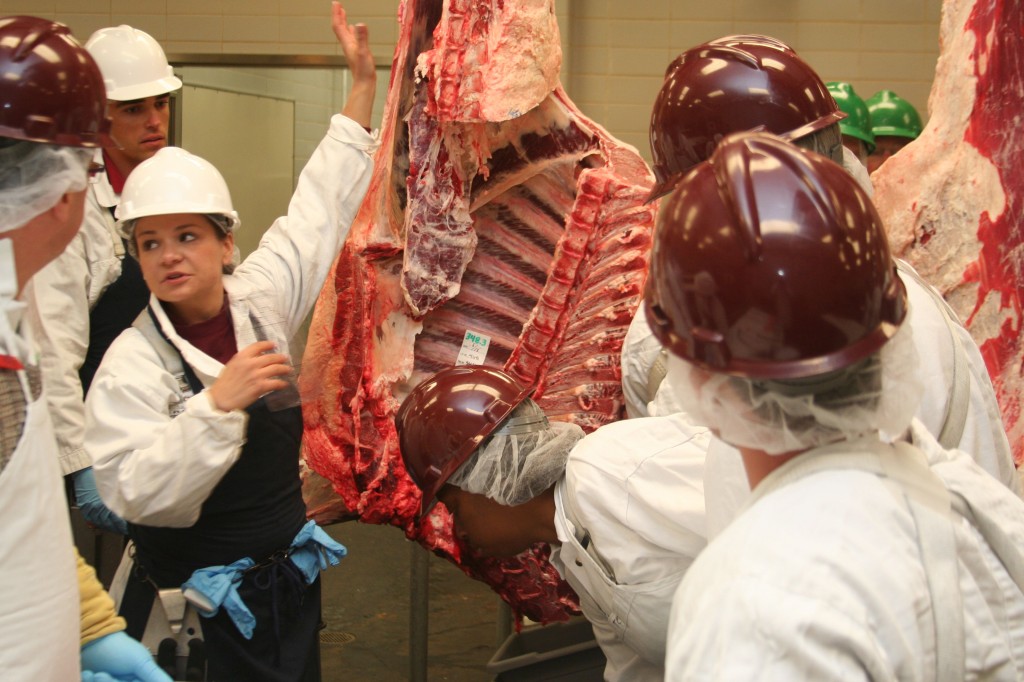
(99, 618)
(152, 469)
(298, 251)
(58, 313)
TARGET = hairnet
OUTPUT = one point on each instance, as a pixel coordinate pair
(879, 393)
(219, 221)
(828, 142)
(34, 176)
(513, 468)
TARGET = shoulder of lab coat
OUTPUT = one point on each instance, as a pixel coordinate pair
(638, 485)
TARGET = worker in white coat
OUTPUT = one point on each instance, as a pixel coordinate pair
(93, 291)
(192, 421)
(857, 557)
(54, 624)
(959, 406)
(622, 507)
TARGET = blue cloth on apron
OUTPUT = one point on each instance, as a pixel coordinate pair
(255, 511)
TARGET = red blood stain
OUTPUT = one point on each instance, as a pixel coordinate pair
(994, 130)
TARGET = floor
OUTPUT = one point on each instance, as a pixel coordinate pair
(366, 610)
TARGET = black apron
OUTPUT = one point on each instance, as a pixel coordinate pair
(255, 511)
(117, 308)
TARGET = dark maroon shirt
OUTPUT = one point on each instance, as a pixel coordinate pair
(215, 336)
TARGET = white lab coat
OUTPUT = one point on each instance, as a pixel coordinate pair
(155, 470)
(822, 579)
(983, 437)
(40, 623)
(60, 298)
(634, 488)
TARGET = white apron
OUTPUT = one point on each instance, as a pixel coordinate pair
(40, 616)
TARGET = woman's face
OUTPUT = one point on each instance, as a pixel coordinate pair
(489, 528)
(182, 256)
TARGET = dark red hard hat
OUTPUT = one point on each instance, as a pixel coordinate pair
(446, 417)
(770, 262)
(729, 85)
(50, 88)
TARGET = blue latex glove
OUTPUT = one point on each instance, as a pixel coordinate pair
(122, 658)
(315, 550)
(210, 588)
(92, 507)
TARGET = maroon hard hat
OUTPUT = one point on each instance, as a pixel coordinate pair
(446, 418)
(729, 85)
(51, 89)
(770, 262)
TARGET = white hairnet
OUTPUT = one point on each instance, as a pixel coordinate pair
(828, 142)
(879, 393)
(513, 468)
(34, 176)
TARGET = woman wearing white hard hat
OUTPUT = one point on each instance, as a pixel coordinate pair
(93, 291)
(191, 441)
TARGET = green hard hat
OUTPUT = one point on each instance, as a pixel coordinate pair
(857, 122)
(893, 115)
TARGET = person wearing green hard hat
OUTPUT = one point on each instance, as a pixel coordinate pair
(894, 122)
(856, 127)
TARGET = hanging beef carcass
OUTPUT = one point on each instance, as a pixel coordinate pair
(502, 227)
(953, 199)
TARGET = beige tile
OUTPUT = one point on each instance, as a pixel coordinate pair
(592, 9)
(786, 31)
(45, 9)
(81, 6)
(813, 35)
(639, 91)
(195, 28)
(84, 25)
(153, 24)
(828, 10)
(138, 7)
(833, 66)
(899, 37)
(251, 29)
(257, 8)
(589, 88)
(702, 10)
(627, 118)
(590, 60)
(638, 62)
(305, 30)
(193, 47)
(897, 66)
(193, 7)
(639, 34)
(590, 33)
(687, 34)
(759, 10)
(907, 11)
(639, 9)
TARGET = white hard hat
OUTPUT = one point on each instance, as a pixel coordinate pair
(174, 181)
(134, 65)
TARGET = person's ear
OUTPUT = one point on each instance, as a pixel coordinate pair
(61, 211)
(229, 248)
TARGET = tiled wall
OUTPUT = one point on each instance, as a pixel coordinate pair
(617, 49)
